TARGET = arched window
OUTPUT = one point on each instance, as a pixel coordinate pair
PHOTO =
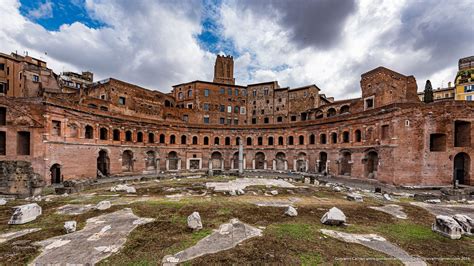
(249, 141)
(236, 109)
(227, 141)
(345, 136)
(89, 132)
(190, 93)
(104, 133)
(195, 140)
(116, 134)
(151, 137)
(180, 95)
(301, 140)
(183, 139)
(344, 109)
(139, 137)
(358, 136)
(331, 112)
(291, 140)
(216, 141)
(206, 140)
(322, 139)
(128, 135)
(270, 141)
(172, 139)
(167, 103)
(260, 141)
(237, 140)
(312, 139)
(333, 137)
(280, 141)
(162, 138)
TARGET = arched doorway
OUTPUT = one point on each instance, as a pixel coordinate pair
(301, 162)
(55, 174)
(323, 158)
(260, 160)
(280, 161)
(127, 161)
(216, 160)
(150, 161)
(462, 163)
(103, 164)
(173, 160)
(345, 166)
(371, 164)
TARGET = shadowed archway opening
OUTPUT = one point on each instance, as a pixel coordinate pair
(462, 163)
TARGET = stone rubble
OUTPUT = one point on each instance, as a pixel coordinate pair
(447, 227)
(392, 209)
(194, 221)
(290, 211)
(70, 226)
(433, 201)
(3, 201)
(123, 188)
(226, 237)
(25, 213)
(242, 183)
(355, 197)
(466, 223)
(103, 205)
(334, 217)
(16, 234)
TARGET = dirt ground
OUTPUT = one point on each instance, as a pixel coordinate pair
(285, 241)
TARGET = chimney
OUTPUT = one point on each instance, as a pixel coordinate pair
(449, 84)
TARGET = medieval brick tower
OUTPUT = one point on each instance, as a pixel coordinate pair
(224, 70)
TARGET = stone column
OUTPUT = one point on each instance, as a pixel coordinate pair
(241, 157)
(253, 164)
(286, 165)
(274, 164)
(179, 164)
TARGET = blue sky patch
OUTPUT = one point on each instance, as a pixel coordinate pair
(52, 14)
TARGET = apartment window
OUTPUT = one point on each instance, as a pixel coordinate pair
(3, 143)
(206, 141)
(222, 91)
(229, 121)
(116, 134)
(265, 91)
(243, 110)
(206, 93)
(3, 88)
(216, 141)
(195, 140)
(385, 132)
(468, 88)
(151, 138)
(172, 139)
(236, 121)
(345, 136)
(103, 133)
(128, 135)
(221, 120)
(280, 140)
(469, 98)
(301, 140)
(236, 109)
(266, 120)
(293, 118)
(249, 141)
(279, 119)
(56, 128)
(260, 141)
(89, 132)
(437, 142)
(206, 107)
(229, 109)
(23, 143)
(222, 108)
(229, 91)
(322, 139)
(254, 93)
(3, 116)
(190, 93)
(206, 120)
(236, 92)
(121, 100)
(35, 78)
(227, 141)
(291, 140)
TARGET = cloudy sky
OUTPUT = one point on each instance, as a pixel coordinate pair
(156, 44)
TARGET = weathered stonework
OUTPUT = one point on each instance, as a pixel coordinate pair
(113, 128)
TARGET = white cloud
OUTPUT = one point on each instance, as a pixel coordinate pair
(150, 44)
(44, 10)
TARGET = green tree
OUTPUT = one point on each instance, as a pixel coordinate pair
(428, 93)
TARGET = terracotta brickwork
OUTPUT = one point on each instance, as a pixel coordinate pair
(114, 128)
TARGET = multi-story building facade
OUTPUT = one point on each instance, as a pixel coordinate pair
(113, 128)
(465, 79)
(440, 94)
